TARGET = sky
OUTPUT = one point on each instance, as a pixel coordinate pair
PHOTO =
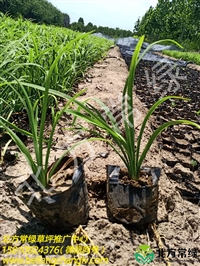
(107, 13)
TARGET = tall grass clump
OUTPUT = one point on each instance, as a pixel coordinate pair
(27, 52)
(41, 146)
(125, 142)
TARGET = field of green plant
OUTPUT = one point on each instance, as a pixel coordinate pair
(32, 53)
(187, 56)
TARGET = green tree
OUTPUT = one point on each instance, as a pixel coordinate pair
(137, 27)
(89, 27)
(40, 11)
(80, 20)
(66, 20)
(175, 19)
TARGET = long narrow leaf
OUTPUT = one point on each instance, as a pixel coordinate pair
(149, 113)
(128, 92)
(47, 88)
(157, 42)
(21, 146)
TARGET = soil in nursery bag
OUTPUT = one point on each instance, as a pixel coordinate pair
(130, 201)
(63, 204)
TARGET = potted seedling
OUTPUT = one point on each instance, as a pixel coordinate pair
(132, 193)
(56, 193)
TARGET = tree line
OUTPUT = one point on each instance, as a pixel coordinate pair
(111, 32)
(40, 11)
(175, 19)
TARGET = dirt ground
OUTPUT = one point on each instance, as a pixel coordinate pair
(178, 219)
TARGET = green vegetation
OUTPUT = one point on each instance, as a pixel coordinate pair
(111, 32)
(127, 147)
(40, 63)
(43, 12)
(27, 52)
(40, 11)
(187, 56)
(40, 162)
(35, 61)
(174, 19)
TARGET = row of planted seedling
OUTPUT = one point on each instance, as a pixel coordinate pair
(28, 51)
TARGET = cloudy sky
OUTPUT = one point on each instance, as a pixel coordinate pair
(111, 13)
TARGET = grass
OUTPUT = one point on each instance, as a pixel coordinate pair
(27, 52)
(21, 88)
(187, 56)
(47, 57)
(127, 146)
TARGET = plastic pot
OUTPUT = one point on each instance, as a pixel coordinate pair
(129, 204)
(59, 211)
